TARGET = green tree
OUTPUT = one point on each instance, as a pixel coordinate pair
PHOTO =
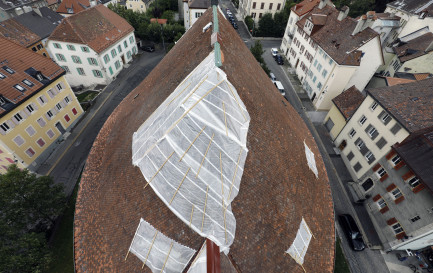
(257, 51)
(266, 26)
(29, 205)
(169, 15)
(249, 22)
(280, 20)
(356, 8)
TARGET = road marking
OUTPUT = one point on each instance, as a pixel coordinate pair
(73, 141)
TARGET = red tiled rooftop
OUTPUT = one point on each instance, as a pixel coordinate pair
(348, 101)
(73, 6)
(15, 31)
(414, 48)
(98, 27)
(277, 187)
(304, 7)
(394, 81)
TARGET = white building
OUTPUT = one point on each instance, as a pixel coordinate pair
(331, 53)
(257, 9)
(93, 46)
(298, 11)
(192, 10)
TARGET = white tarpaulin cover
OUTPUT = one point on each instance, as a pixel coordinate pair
(300, 245)
(311, 161)
(192, 151)
(157, 251)
(199, 265)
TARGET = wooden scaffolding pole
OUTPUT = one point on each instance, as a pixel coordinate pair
(151, 245)
(159, 169)
(233, 94)
(225, 119)
(222, 179)
(180, 185)
(178, 95)
(207, 150)
(190, 145)
(192, 211)
(234, 176)
(166, 259)
(204, 211)
(195, 89)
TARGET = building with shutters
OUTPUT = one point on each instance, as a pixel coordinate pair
(93, 46)
(257, 9)
(37, 106)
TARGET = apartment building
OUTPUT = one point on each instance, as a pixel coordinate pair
(13, 8)
(193, 10)
(257, 9)
(93, 46)
(388, 115)
(297, 12)
(138, 5)
(330, 53)
(37, 106)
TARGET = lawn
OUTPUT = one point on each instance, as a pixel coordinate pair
(341, 265)
(62, 244)
(87, 96)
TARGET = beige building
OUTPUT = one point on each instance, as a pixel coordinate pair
(256, 9)
(138, 5)
(343, 107)
(37, 106)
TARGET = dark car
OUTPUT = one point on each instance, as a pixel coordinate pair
(235, 26)
(148, 48)
(231, 19)
(352, 232)
(279, 59)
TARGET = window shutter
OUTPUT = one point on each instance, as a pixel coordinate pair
(391, 221)
(2, 131)
(62, 85)
(376, 198)
(357, 140)
(47, 116)
(376, 167)
(14, 119)
(372, 159)
(408, 175)
(364, 150)
(10, 123)
(368, 128)
(375, 134)
(391, 154)
(381, 114)
(24, 115)
(27, 111)
(387, 120)
(391, 187)
(54, 110)
(62, 103)
(350, 156)
(357, 167)
(395, 128)
(34, 106)
(88, 59)
(51, 93)
(382, 142)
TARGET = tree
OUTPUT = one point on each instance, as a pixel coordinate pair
(280, 20)
(266, 26)
(169, 15)
(28, 207)
(257, 51)
(249, 22)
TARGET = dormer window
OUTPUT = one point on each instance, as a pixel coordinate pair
(39, 77)
(19, 88)
(2, 101)
(28, 83)
(8, 69)
(2, 76)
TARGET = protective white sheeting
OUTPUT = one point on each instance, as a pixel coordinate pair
(192, 151)
(158, 252)
(199, 265)
(300, 245)
(311, 161)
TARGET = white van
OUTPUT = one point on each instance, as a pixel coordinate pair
(280, 87)
(273, 78)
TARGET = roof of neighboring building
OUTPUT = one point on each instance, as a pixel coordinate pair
(97, 27)
(20, 60)
(12, 4)
(42, 26)
(52, 2)
(411, 6)
(304, 7)
(411, 103)
(414, 48)
(199, 4)
(159, 21)
(348, 101)
(277, 187)
(73, 6)
(51, 15)
(387, 16)
(417, 153)
(17, 32)
(413, 76)
(390, 81)
(335, 37)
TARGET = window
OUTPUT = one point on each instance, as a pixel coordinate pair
(30, 152)
(350, 156)
(19, 88)
(381, 143)
(368, 184)
(60, 57)
(360, 144)
(381, 172)
(125, 44)
(18, 117)
(396, 159)
(319, 85)
(396, 193)
(19, 141)
(278, 6)
(40, 142)
(262, 5)
(51, 93)
(113, 53)
(70, 47)
(319, 67)
(362, 120)
(56, 45)
(324, 73)
(80, 71)
(30, 131)
(58, 106)
(50, 133)
(67, 100)
(41, 121)
(381, 203)
(8, 69)
(397, 228)
(111, 70)
(357, 167)
(42, 100)
(74, 111)
(372, 131)
(117, 64)
(373, 106)
(30, 108)
(85, 49)
(270, 5)
(414, 219)
(368, 155)
(131, 39)
(92, 61)
(5, 127)
(97, 73)
(314, 79)
(2, 76)
(28, 83)
(254, 5)
(352, 133)
(119, 48)
(66, 69)
(396, 65)
(315, 63)
(106, 58)
(128, 54)
(413, 182)
(76, 59)
(260, 15)
(50, 114)
(67, 118)
(385, 117)
(395, 128)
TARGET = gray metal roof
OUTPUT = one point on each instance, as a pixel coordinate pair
(42, 26)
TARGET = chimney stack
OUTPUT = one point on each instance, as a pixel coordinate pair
(343, 13)
(359, 25)
(323, 3)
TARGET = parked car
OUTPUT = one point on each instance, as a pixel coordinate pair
(280, 87)
(352, 232)
(228, 12)
(235, 26)
(279, 60)
(273, 78)
(274, 52)
(232, 20)
(150, 48)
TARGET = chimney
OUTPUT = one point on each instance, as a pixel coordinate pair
(92, 3)
(343, 13)
(359, 25)
(323, 3)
